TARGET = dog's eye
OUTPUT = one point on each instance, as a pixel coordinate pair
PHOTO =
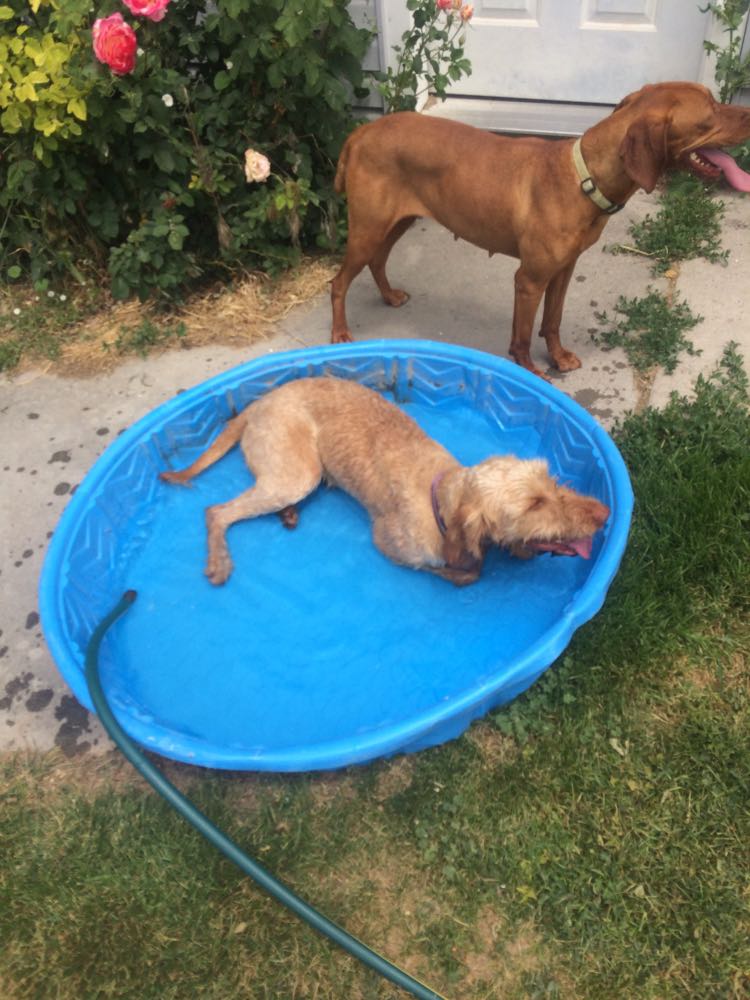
(536, 504)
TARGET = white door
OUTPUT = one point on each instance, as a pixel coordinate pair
(581, 51)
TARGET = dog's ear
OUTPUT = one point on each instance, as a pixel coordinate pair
(644, 151)
(464, 534)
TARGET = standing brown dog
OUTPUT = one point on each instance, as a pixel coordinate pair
(544, 201)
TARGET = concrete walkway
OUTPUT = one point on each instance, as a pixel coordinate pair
(53, 429)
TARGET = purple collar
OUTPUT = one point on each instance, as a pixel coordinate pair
(435, 506)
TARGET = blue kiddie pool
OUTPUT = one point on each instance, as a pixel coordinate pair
(319, 652)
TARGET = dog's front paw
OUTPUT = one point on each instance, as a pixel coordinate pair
(341, 336)
(566, 361)
(219, 568)
(176, 478)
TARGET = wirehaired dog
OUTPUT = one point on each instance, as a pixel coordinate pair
(428, 511)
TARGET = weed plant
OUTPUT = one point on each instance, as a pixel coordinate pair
(651, 330)
(687, 225)
(140, 338)
(589, 840)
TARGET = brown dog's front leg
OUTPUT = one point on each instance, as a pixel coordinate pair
(527, 298)
(554, 299)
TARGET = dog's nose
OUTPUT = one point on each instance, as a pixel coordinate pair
(600, 513)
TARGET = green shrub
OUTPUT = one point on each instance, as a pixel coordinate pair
(143, 173)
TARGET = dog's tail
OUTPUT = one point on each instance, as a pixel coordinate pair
(217, 449)
(339, 183)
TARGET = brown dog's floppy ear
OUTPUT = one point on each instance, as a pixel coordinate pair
(462, 545)
(644, 151)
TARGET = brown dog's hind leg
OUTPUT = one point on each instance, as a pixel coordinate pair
(554, 297)
(353, 264)
(371, 238)
(391, 296)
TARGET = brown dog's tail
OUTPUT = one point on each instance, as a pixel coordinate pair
(217, 449)
(339, 183)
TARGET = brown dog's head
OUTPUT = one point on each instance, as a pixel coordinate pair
(517, 504)
(681, 124)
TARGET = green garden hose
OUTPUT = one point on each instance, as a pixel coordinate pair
(188, 811)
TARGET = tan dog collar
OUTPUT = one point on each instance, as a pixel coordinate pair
(588, 185)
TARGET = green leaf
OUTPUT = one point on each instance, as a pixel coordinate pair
(164, 159)
(175, 240)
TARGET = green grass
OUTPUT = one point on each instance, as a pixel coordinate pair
(651, 330)
(588, 841)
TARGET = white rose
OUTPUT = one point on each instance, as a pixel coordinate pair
(257, 167)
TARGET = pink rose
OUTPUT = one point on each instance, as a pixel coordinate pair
(154, 10)
(444, 4)
(467, 12)
(114, 43)
(257, 167)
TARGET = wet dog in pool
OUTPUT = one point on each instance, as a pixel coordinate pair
(428, 511)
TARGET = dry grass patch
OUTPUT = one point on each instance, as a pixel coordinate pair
(395, 776)
(496, 749)
(503, 956)
(237, 315)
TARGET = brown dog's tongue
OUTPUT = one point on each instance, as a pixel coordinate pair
(739, 180)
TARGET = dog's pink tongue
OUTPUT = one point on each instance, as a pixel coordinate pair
(739, 180)
(582, 546)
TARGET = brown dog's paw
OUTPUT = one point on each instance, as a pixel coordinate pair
(396, 297)
(566, 361)
(537, 371)
(341, 337)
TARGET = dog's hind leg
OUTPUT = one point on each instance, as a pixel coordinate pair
(391, 296)
(280, 484)
(358, 254)
(371, 238)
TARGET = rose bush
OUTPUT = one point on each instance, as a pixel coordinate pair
(430, 56)
(141, 171)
